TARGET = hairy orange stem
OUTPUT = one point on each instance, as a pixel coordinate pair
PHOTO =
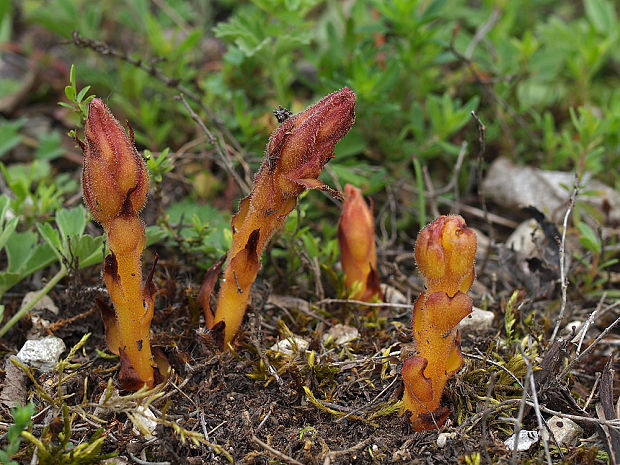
(445, 252)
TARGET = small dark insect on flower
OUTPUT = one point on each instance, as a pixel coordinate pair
(282, 114)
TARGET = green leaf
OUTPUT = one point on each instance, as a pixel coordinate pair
(432, 11)
(6, 228)
(353, 143)
(7, 231)
(9, 134)
(72, 221)
(25, 255)
(19, 249)
(155, 234)
(87, 249)
(8, 280)
(50, 146)
(51, 236)
(82, 93)
(588, 238)
(72, 77)
(601, 14)
(70, 93)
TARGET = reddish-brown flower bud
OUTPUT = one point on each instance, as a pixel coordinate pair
(114, 173)
(301, 146)
(356, 240)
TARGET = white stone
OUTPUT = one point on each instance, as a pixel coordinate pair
(478, 321)
(526, 440)
(443, 438)
(144, 420)
(118, 460)
(341, 334)
(286, 347)
(393, 295)
(564, 430)
(568, 329)
(521, 239)
(42, 354)
(45, 303)
(515, 186)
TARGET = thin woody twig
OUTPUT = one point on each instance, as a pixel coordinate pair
(581, 356)
(564, 282)
(365, 407)
(490, 91)
(485, 417)
(495, 364)
(175, 83)
(360, 302)
(276, 453)
(431, 189)
(492, 217)
(482, 141)
(541, 423)
(589, 321)
(226, 163)
(481, 32)
(333, 454)
(280, 455)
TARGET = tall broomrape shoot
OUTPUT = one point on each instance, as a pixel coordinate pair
(115, 184)
(358, 251)
(295, 156)
(444, 252)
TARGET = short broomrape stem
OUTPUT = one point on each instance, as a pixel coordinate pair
(445, 252)
(295, 156)
(115, 184)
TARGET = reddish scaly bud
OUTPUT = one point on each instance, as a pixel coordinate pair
(356, 240)
(114, 175)
(301, 146)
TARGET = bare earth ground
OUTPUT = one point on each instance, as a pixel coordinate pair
(329, 404)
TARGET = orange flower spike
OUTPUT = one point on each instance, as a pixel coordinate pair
(115, 184)
(445, 252)
(296, 153)
(358, 251)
